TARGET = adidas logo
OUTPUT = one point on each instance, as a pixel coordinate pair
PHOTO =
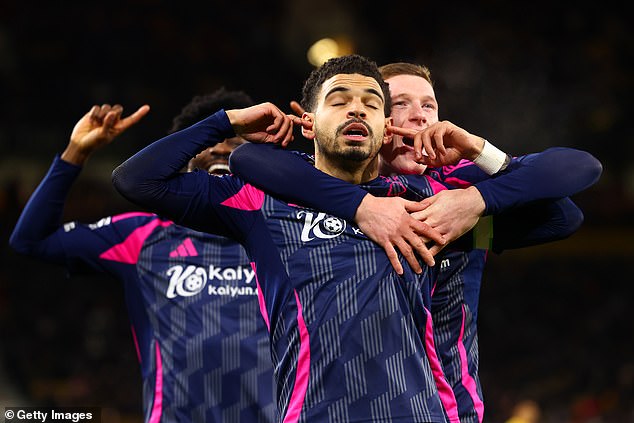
(185, 249)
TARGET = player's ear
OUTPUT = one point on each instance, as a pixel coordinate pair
(387, 134)
(307, 129)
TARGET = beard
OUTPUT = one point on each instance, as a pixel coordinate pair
(342, 151)
(354, 154)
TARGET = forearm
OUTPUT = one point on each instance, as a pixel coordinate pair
(553, 173)
(149, 177)
(290, 177)
(42, 214)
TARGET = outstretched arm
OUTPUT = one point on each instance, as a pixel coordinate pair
(556, 172)
(149, 178)
(535, 182)
(42, 215)
(451, 212)
(152, 178)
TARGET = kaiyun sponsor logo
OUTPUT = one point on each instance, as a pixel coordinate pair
(191, 280)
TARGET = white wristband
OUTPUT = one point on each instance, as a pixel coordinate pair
(491, 159)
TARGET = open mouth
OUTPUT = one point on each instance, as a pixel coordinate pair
(219, 169)
(408, 141)
(355, 131)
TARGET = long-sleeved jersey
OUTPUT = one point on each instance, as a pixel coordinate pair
(535, 182)
(351, 340)
(191, 297)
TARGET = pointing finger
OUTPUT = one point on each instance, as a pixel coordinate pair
(407, 132)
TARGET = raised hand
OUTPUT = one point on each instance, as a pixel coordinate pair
(97, 128)
(262, 123)
(443, 143)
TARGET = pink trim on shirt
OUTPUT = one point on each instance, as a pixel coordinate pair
(129, 215)
(303, 369)
(435, 185)
(462, 163)
(447, 396)
(248, 198)
(261, 302)
(128, 250)
(457, 182)
(157, 408)
(467, 381)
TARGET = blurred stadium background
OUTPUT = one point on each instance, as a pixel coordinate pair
(555, 321)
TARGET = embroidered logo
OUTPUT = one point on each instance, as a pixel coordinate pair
(320, 225)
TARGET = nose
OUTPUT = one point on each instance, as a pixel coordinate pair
(356, 108)
(356, 112)
(418, 114)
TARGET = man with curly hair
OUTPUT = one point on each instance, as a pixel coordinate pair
(191, 296)
(349, 335)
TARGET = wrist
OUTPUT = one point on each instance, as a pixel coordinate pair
(235, 118)
(476, 149)
(74, 155)
(364, 205)
(478, 203)
(491, 159)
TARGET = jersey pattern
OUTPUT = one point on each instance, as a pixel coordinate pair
(455, 301)
(352, 341)
(192, 299)
(455, 308)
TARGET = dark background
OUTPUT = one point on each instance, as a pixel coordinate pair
(555, 321)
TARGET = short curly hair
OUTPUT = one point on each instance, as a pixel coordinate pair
(202, 106)
(350, 64)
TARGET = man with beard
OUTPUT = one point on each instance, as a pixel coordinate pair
(540, 182)
(350, 338)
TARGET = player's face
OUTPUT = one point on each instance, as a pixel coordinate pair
(215, 160)
(414, 106)
(349, 121)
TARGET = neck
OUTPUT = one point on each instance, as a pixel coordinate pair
(355, 172)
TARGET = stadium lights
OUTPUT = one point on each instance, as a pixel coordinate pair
(327, 48)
